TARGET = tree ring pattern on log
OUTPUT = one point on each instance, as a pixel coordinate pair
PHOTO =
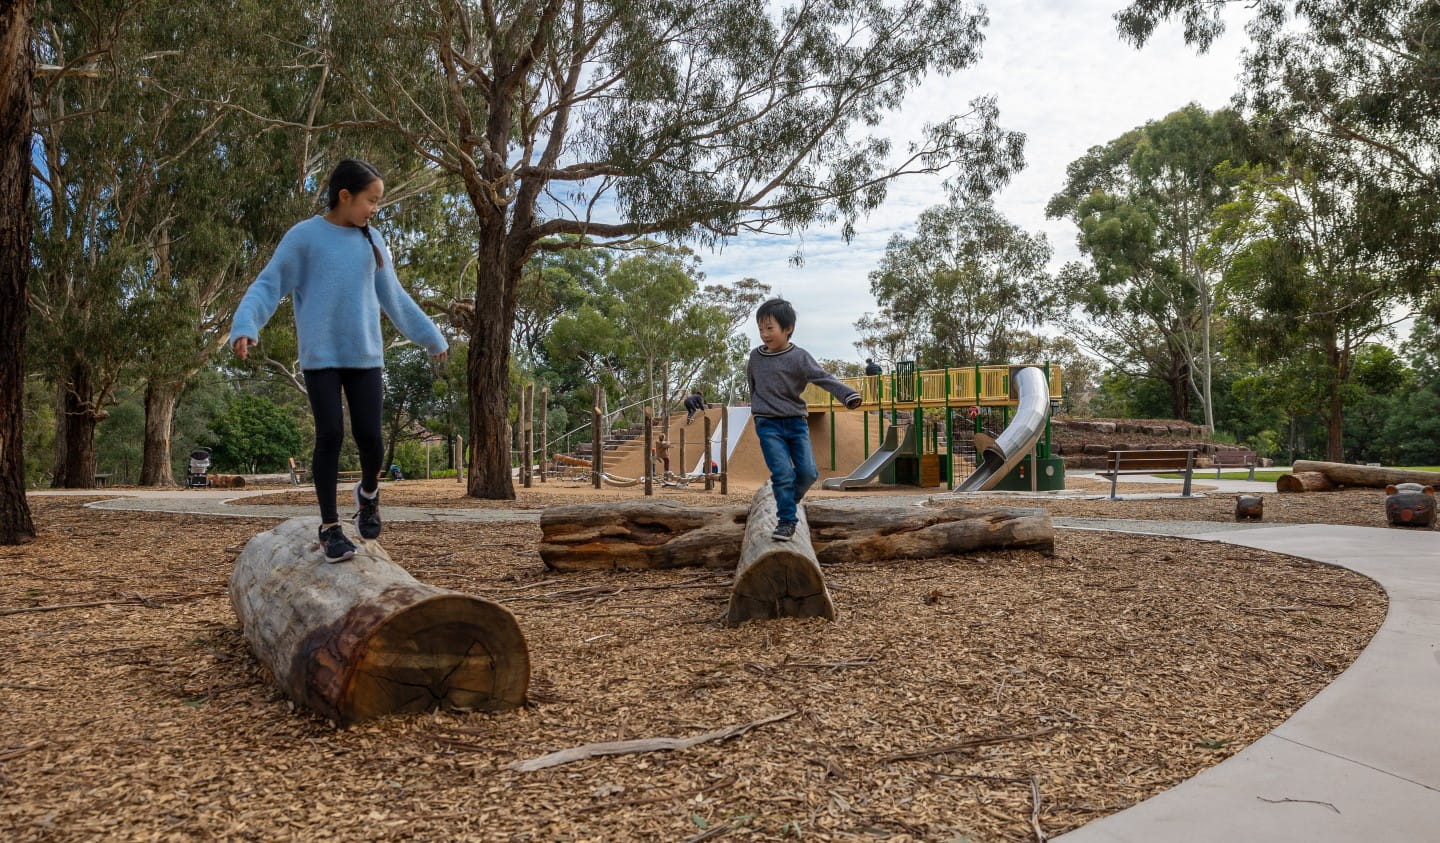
(776, 579)
(363, 638)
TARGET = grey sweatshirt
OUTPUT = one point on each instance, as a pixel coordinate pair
(777, 379)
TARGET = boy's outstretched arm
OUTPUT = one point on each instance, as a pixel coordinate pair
(831, 384)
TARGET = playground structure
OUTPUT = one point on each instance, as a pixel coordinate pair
(907, 449)
(1019, 458)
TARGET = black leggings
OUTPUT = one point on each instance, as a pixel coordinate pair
(364, 391)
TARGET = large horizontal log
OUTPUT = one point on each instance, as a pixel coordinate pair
(1303, 481)
(776, 579)
(642, 535)
(1378, 477)
(357, 639)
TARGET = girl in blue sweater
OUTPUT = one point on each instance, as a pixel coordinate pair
(340, 277)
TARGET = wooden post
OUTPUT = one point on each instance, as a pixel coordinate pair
(776, 579)
(363, 638)
(649, 452)
(709, 478)
(544, 430)
(725, 450)
(459, 457)
(684, 466)
(597, 465)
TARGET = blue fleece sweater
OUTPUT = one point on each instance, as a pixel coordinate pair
(329, 272)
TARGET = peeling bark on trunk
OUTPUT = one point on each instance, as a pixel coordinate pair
(17, 69)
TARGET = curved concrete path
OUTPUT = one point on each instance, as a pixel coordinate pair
(1359, 762)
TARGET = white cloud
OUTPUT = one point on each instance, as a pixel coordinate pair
(1063, 77)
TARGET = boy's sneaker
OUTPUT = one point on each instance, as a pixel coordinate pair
(784, 531)
(337, 547)
(367, 515)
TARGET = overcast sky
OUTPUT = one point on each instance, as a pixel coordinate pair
(1062, 77)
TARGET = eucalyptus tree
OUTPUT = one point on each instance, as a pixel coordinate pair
(1306, 290)
(17, 70)
(615, 119)
(1357, 78)
(970, 278)
(886, 337)
(1145, 205)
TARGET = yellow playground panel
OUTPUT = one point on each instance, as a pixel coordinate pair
(982, 386)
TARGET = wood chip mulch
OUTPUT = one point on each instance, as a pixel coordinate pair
(997, 696)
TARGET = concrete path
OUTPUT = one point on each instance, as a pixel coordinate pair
(1359, 762)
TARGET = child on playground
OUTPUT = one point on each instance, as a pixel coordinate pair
(340, 277)
(778, 372)
(662, 453)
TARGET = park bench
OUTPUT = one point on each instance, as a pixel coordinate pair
(1235, 458)
(1148, 462)
(297, 474)
(102, 480)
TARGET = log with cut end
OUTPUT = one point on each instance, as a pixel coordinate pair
(1373, 476)
(362, 638)
(776, 579)
(640, 535)
(1304, 481)
(226, 481)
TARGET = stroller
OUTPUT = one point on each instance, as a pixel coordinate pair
(199, 465)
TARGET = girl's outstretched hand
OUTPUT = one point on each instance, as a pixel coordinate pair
(242, 347)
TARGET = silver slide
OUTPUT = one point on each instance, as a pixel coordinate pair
(870, 469)
(1019, 437)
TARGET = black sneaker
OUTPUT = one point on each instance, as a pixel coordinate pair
(338, 548)
(784, 531)
(367, 516)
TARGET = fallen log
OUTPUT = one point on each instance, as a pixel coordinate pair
(362, 638)
(643, 535)
(776, 579)
(640, 535)
(226, 481)
(1373, 476)
(1304, 481)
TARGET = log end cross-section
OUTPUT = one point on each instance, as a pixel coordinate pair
(363, 638)
(776, 579)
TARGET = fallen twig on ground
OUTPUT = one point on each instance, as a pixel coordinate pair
(967, 744)
(580, 753)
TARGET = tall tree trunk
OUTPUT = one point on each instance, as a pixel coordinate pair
(159, 421)
(75, 437)
(17, 71)
(487, 371)
(1335, 403)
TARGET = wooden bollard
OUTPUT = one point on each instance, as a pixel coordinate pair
(776, 579)
(1249, 507)
(358, 639)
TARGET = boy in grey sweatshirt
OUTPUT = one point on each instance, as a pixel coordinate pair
(778, 372)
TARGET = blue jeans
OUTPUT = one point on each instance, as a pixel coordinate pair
(786, 446)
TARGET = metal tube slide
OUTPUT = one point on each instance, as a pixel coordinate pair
(1019, 437)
